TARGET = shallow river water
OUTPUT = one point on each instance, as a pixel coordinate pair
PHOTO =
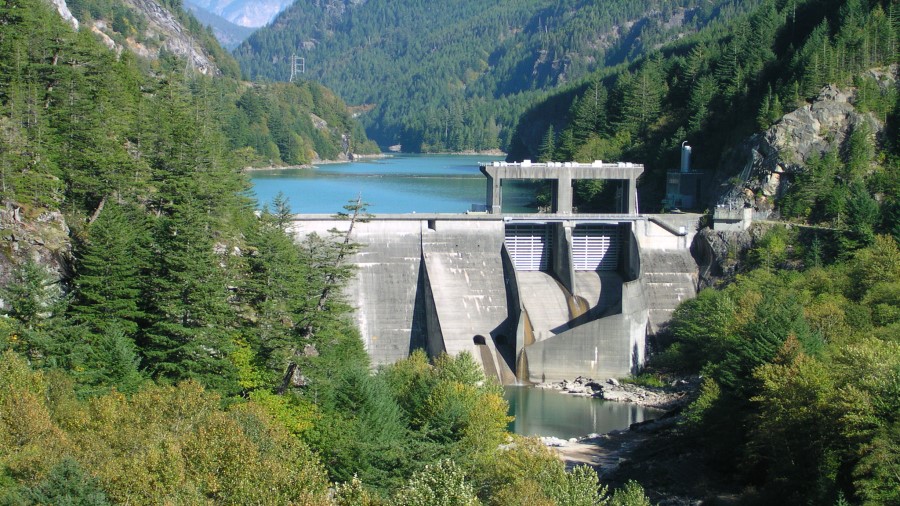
(543, 412)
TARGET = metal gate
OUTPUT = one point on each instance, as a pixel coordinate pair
(529, 246)
(596, 247)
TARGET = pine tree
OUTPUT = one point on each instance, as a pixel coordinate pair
(68, 485)
(189, 336)
(590, 112)
(547, 149)
(278, 286)
(110, 274)
(329, 270)
(109, 361)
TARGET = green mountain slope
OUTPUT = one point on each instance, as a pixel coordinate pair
(718, 87)
(275, 124)
(456, 75)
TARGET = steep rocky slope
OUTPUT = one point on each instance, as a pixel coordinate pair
(759, 171)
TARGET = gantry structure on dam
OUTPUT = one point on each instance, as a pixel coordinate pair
(534, 297)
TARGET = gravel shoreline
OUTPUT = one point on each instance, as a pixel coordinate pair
(669, 398)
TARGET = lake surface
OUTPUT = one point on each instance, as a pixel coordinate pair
(544, 412)
(396, 184)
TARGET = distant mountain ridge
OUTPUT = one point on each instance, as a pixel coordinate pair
(227, 33)
(456, 75)
(247, 13)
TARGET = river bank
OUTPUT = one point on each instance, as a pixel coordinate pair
(652, 452)
(669, 398)
(315, 163)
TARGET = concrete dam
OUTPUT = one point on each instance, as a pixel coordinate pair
(533, 297)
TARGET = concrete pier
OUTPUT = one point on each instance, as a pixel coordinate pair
(561, 175)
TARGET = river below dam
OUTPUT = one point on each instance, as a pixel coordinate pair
(546, 412)
(402, 183)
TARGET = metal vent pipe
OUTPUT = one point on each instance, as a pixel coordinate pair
(685, 157)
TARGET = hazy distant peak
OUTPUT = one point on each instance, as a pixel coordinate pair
(250, 13)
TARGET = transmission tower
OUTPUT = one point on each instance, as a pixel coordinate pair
(298, 66)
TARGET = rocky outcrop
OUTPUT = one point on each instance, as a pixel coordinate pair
(64, 11)
(674, 396)
(38, 236)
(163, 32)
(175, 38)
(766, 161)
(718, 254)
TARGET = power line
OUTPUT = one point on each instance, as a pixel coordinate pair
(298, 66)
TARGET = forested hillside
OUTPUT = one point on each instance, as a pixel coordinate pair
(454, 76)
(800, 402)
(798, 348)
(275, 124)
(718, 87)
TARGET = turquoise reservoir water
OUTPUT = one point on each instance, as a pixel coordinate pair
(396, 184)
(542, 412)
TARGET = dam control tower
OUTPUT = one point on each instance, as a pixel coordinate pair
(533, 297)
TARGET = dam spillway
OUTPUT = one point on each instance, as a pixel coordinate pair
(537, 297)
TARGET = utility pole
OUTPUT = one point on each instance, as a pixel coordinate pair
(298, 66)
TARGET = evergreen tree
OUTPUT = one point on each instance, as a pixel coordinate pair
(862, 218)
(110, 361)
(189, 336)
(68, 485)
(110, 272)
(590, 112)
(547, 148)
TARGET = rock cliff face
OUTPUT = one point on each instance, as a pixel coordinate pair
(42, 239)
(163, 31)
(163, 26)
(718, 254)
(64, 11)
(756, 171)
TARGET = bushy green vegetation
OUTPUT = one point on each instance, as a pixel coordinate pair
(800, 378)
(291, 124)
(456, 75)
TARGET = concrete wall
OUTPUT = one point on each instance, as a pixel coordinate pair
(561, 258)
(433, 282)
(463, 262)
(610, 347)
(437, 281)
(383, 292)
(668, 271)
